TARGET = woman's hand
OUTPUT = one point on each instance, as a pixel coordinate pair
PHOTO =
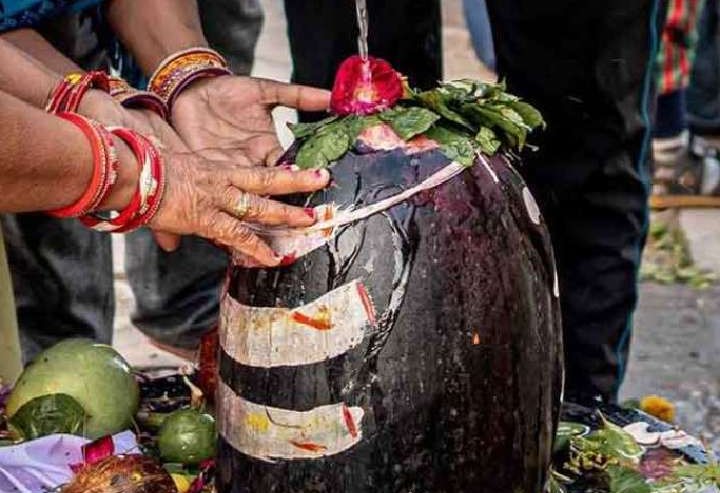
(103, 108)
(221, 201)
(229, 117)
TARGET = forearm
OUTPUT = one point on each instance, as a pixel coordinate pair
(33, 44)
(23, 76)
(46, 161)
(153, 30)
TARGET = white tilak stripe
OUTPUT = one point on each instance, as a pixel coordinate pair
(271, 337)
(297, 242)
(270, 433)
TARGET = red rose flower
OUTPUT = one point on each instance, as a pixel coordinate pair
(363, 87)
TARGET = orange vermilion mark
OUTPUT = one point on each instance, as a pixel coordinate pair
(321, 321)
(312, 447)
(476, 339)
(367, 302)
(329, 214)
(349, 422)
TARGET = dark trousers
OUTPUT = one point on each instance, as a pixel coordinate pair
(703, 94)
(406, 32)
(586, 65)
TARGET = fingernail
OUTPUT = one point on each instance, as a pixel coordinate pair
(322, 174)
(288, 259)
(289, 167)
(310, 212)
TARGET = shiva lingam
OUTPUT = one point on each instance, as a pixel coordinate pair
(411, 340)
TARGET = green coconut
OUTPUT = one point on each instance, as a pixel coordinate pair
(95, 375)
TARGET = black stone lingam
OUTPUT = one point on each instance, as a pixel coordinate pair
(417, 350)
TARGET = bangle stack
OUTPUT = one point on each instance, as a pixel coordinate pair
(69, 92)
(147, 198)
(180, 69)
(130, 97)
(105, 168)
(64, 102)
(151, 181)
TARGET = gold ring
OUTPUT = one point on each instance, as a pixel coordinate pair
(242, 206)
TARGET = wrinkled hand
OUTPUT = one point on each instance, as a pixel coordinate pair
(202, 197)
(229, 117)
(103, 108)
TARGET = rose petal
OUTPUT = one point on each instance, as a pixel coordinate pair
(363, 87)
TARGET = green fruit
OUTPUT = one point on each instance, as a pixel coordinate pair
(188, 437)
(47, 415)
(95, 375)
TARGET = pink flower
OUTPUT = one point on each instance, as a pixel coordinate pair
(363, 87)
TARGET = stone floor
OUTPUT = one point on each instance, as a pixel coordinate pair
(677, 329)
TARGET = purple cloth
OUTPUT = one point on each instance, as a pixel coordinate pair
(43, 464)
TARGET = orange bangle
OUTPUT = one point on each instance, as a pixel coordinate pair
(178, 70)
(130, 97)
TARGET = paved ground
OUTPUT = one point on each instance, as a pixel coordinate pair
(677, 329)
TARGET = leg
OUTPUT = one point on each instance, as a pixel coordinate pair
(62, 278)
(177, 294)
(703, 94)
(232, 27)
(478, 22)
(405, 32)
(591, 74)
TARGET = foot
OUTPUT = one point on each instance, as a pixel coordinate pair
(687, 173)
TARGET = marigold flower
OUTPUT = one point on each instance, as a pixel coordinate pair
(659, 407)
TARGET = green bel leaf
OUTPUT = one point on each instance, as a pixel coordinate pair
(323, 148)
(47, 415)
(529, 114)
(355, 124)
(513, 134)
(305, 129)
(438, 102)
(409, 122)
(454, 145)
(488, 141)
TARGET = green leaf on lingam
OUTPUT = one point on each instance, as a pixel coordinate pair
(488, 141)
(306, 129)
(455, 145)
(324, 147)
(440, 102)
(47, 415)
(409, 122)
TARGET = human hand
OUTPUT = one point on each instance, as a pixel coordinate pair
(229, 117)
(105, 109)
(221, 201)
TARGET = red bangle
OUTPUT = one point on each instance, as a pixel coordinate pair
(104, 172)
(69, 92)
(146, 199)
(130, 97)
